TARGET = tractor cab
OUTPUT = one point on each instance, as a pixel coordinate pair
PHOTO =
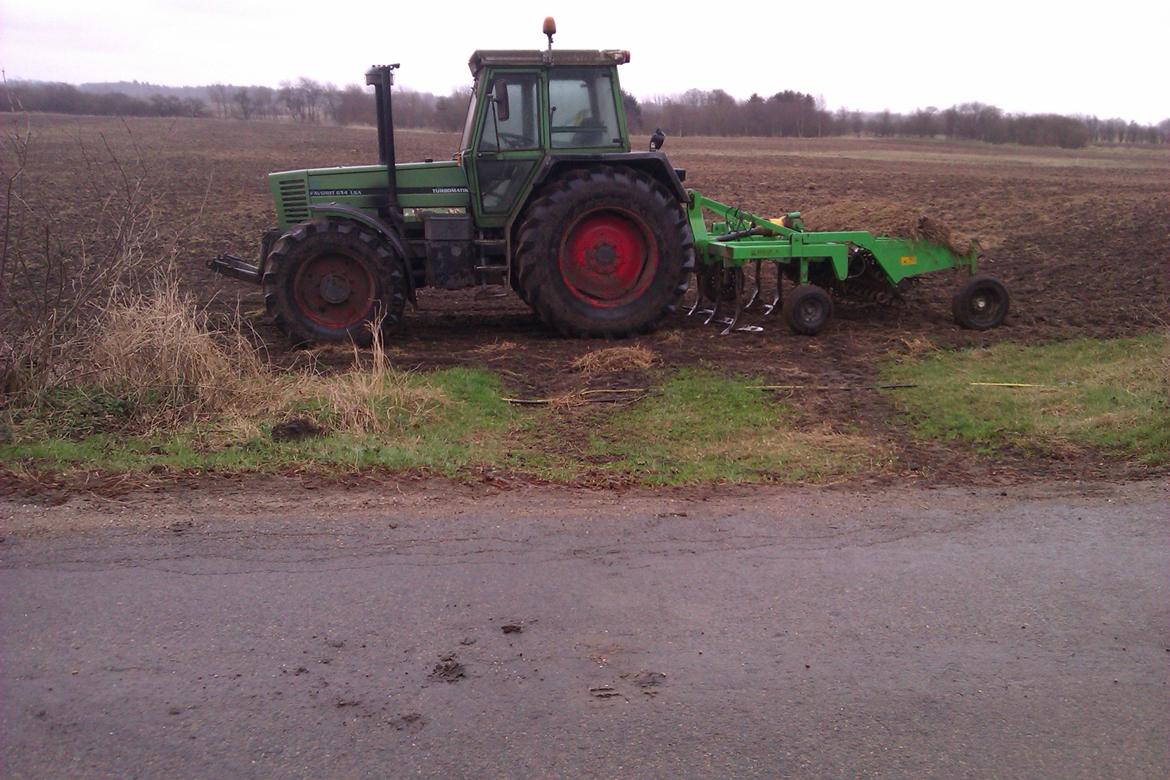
(527, 105)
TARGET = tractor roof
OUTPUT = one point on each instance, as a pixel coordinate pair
(480, 59)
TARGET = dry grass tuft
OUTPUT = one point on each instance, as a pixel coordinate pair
(496, 348)
(157, 352)
(612, 359)
(155, 360)
(917, 346)
(378, 400)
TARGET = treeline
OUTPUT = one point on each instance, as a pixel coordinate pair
(303, 100)
(68, 99)
(306, 100)
(795, 114)
(695, 112)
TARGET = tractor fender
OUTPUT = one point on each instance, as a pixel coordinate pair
(653, 163)
(375, 223)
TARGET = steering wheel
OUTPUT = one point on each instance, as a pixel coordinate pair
(513, 141)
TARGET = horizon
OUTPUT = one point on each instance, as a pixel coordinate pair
(642, 100)
(1064, 61)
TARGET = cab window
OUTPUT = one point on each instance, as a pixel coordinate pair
(581, 107)
(510, 122)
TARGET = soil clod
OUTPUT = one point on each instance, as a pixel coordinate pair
(297, 429)
(410, 721)
(448, 669)
(604, 692)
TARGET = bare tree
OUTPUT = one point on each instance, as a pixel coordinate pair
(219, 98)
(245, 102)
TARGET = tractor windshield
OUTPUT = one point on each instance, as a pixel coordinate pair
(584, 115)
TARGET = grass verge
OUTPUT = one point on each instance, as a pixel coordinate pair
(1110, 395)
(707, 428)
(459, 426)
(698, 428)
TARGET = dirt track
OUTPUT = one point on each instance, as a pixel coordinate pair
(1081, 238)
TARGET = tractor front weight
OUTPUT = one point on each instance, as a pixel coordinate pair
(844, 263)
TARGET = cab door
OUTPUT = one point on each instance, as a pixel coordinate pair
(508, 146)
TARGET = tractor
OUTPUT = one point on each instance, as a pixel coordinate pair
(546, 195)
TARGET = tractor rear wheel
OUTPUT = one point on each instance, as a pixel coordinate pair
(328, 280)
(807, 309)
(604, 252)
(981, 303)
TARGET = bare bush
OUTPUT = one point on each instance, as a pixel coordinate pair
(95, 334)
(58, 270)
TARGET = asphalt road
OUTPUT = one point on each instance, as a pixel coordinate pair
(796, 633)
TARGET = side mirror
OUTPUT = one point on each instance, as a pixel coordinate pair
(500, 98)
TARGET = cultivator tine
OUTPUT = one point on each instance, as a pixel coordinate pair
(771, 307)
(698, 298)
(732, 322)
(756, 291)
(738, 274)
(713, 312)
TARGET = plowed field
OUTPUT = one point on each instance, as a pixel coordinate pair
(1080, 238)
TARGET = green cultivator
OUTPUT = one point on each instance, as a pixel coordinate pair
(846, 263)
(546, 195)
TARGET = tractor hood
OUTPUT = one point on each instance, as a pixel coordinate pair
(420, 185)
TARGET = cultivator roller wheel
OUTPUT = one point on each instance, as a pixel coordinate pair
(980, 304)
(717, 283)
(807, 309)
(728, 288)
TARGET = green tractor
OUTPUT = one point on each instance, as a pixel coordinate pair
(545, 195)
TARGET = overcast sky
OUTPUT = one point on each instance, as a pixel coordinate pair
(1104, 58)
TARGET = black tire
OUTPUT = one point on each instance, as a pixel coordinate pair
(514, 282)
(604, 253)
(981, 303)
(807, 309)
(326, 280)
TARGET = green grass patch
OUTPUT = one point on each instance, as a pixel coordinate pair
(704, 428)
(463, 427)
(1110, 395)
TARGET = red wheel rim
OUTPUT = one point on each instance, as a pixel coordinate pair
(334, 291)
(608, 258)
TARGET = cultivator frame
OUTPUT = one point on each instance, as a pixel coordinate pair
(737, 238)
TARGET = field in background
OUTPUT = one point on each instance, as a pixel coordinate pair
(1081, 238)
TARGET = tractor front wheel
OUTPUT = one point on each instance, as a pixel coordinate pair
(604, 252)
(981, 303)
(807, 309)
(328, 280)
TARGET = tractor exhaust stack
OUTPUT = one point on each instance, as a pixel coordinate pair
(381, 78)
